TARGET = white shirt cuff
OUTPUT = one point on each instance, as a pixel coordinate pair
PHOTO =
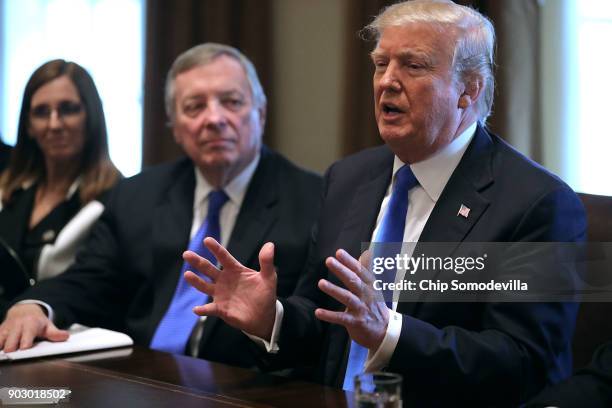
(380, 359)
(48, 308)
(272, 345)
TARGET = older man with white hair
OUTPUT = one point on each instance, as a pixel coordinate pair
(440, 177)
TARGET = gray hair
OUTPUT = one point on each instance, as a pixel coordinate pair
(204, 54)
(474, 49)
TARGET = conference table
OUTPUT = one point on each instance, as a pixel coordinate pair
(139, 377)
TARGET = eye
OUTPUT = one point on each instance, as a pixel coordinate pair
(41, 111)
(380, 65)
(192, 108)
(233, 102)
(68, 108)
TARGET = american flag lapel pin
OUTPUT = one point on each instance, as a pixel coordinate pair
(463, 211)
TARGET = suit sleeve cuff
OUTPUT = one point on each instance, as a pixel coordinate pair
(272, 345)
(379, 359)
(44, 305)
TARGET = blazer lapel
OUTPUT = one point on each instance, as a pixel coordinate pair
(363, 209)
(171, 227)
(257, 215)
(464, 189)
(360, 220)
(15, 218)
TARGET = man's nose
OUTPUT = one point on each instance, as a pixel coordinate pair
(389, 80)
(214, 116)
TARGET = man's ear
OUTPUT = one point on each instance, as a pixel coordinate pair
(175, 134)
(471, 92)
(262, 116)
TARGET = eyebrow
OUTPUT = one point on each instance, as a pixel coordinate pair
(406, 55)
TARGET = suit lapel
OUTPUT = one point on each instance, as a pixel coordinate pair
(257, 215)
(363, 209)
(14, 221)
(357, 227)
(464, 188)
(171, 226)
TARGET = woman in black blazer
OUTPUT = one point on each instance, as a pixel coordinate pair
(58, 170)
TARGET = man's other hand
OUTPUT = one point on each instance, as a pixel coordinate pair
(23, 324)
(366, 316)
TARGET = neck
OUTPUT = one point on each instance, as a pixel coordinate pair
(60, 175)
(217, 179)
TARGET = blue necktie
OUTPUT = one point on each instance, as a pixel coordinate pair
(175, 327)
(391, 231)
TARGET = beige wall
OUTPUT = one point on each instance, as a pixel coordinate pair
(308, 80)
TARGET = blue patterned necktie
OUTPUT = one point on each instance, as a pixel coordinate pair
(175, 327)
(391, 231)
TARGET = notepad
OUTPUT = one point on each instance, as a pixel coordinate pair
(81, 339)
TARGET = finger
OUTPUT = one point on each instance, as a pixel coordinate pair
(201, 264)
(52, 333)
(266, 260)
(12, 340)
(27, 337)
(341, 318)
(365, 260)
(342, 295)
(357, 266)
(3, 336)
(348, 277)
(209, 309)
(199, 283)
(223, 256)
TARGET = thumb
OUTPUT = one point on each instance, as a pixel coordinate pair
(54, 334)
(266, 259)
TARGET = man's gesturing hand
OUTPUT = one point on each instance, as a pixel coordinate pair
(366, 316)
(242, 297)
(23, 324)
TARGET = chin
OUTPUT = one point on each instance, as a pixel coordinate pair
(216, 161)
(62, 156)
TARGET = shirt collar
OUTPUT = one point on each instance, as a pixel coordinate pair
(434, 172)
(235, 189)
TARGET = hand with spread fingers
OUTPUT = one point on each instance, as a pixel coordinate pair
(242, 297)
(366, 315)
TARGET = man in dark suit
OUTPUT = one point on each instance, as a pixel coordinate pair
(128, 274)
(449, 180)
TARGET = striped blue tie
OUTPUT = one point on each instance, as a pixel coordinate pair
(391, 231)
(175, 327)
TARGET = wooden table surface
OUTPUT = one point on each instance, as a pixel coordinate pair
(139, 377)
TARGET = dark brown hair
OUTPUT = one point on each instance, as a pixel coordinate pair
(27, 163)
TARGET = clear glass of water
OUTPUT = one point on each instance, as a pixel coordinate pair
(378, 390)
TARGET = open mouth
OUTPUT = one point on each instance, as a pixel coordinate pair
(390, 108)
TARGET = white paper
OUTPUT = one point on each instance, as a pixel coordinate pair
(81, 339)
